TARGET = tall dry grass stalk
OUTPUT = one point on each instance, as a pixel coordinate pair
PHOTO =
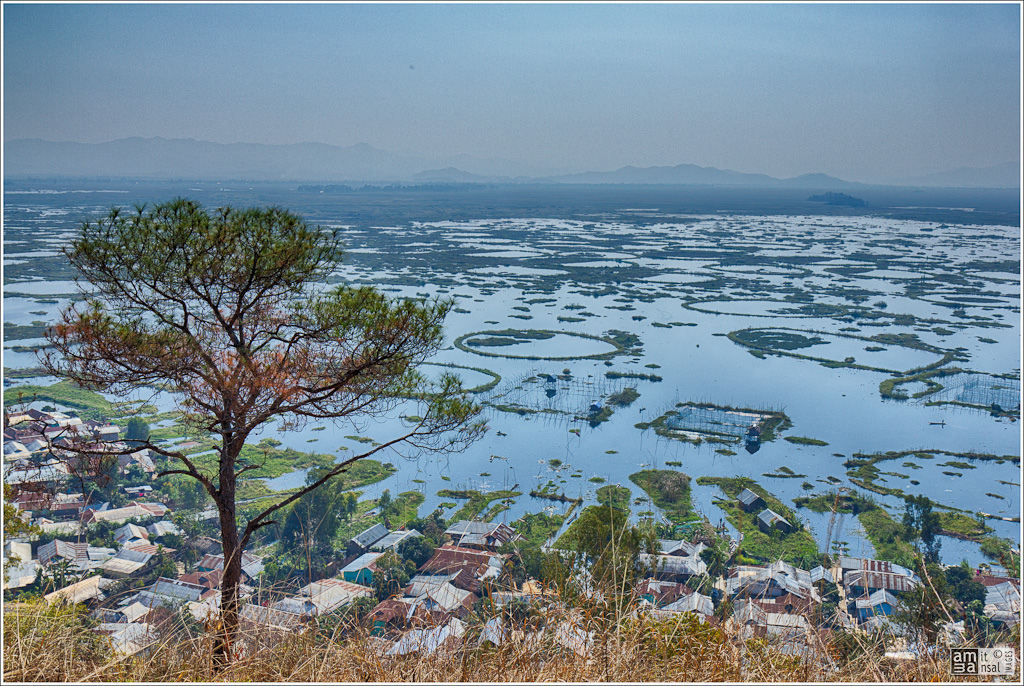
(54, 644)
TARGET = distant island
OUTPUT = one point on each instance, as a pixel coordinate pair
(838, 199)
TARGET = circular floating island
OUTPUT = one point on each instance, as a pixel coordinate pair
(482, 379)
(539, 344)
(885, 353)
(767, 308)
(764, 270)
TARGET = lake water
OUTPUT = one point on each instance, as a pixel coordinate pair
(680, 286)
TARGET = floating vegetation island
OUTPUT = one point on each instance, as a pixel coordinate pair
(848, 349)
(697, 422)
(620, 342)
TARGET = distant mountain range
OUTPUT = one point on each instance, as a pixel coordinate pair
(691, 174)
(162, 158)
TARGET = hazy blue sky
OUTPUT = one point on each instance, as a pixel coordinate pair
(864, 92)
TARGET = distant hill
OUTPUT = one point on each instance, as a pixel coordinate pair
(691, 174)
(178, 158)
(998, 176)
(188, 158)
(163, 158)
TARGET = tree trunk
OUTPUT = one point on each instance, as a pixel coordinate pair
(230, 578)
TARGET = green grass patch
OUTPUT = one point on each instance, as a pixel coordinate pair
(784, 473)
(960, 525)
(957, 464)
(536, 528)
(633, 375)
(616, 496)
(477, 501)
(803, 440)
(407, 506)
(89, 404)
(670, 491)
(847, 503)
(624, 398)
(1001, 550)
(886, 535)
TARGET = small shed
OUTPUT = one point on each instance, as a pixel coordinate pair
(361, 542)
(360, 570)
(753, 436)
(127, 562)
(131, 532)
(750, 501)
(769, 519)
(881, 602)
(394, 539)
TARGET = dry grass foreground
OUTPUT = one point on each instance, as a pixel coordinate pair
(52, 644)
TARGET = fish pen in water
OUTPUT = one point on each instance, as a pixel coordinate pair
(554, 394)
(980, 390)
(706, 419)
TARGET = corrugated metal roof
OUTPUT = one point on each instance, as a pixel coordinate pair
(695, 602)
(426, 641)
(1005, 596)
(892, 582)
(868, 565)
(333, 596)
(251, 564)
(100, 554)
(449, 557)
(493, 632)
(268, 616)
(176, 589)
(446, 596)
(318, 587)
(298, 606)
(675, 564)
(79, 592)
(478, 533)
(819, 573)
(683, 548)
(769, 517)
(162, 528)
(393, 539)
(135, 611)
(133, 638)
(370, 536)
(877, 598)
(129, 532)
(64, 549)
(466, 527)
(747, 496)
(127, 561)
(361, 562)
